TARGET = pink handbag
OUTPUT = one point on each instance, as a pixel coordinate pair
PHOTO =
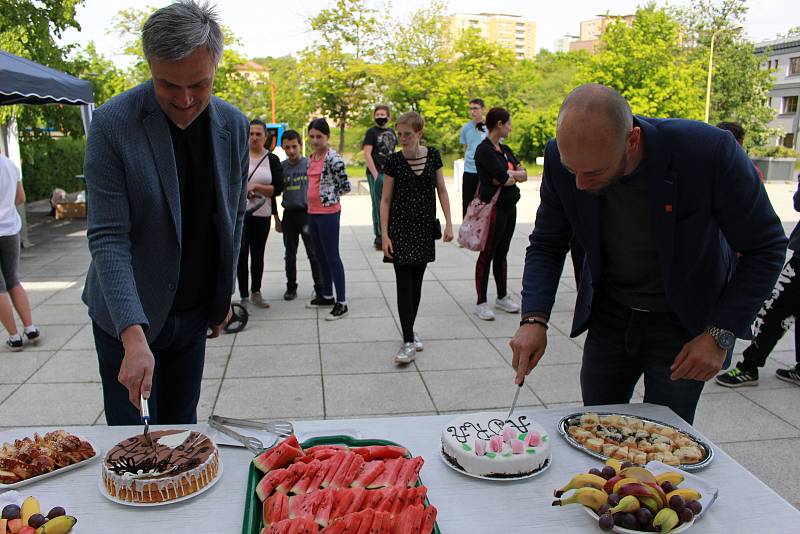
(474, 229)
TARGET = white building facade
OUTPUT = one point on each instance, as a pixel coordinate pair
(783, 57)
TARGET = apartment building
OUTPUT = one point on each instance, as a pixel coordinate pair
(509, 31)
(592, 30)
(783, 57)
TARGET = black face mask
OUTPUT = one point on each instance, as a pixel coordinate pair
(381, 121)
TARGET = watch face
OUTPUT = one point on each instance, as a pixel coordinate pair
(726, 339)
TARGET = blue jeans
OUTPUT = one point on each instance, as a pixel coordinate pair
(623, 344)
(179, 351)
(324, 230)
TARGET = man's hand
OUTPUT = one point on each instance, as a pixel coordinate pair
(528, 346)
(136, 371)
(700, 359)
(216, 329)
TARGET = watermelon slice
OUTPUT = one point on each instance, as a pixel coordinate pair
(324, 506)
(334, 463)
(381, 452)
(303, 483)
(368, 472)
(428, 520)
(409, 521)
(275, 509)
(409, 474)
(352, 471)
(389, 475)
(292, 526)
(321, 452)
(269, 482)
(359, 497)
(303, 506)
(373, 499)
(341, 472)
(294, 473)
(279, 456)
(381, 523)
(390, 499)
(342, 500)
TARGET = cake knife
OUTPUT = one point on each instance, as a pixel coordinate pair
(146, 418)
(514, 403)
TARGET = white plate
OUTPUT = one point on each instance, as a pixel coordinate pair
(497, 479)
(620, 530)
(21, 483)
(205, 488)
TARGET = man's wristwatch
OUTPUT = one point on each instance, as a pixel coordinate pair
(724, 338)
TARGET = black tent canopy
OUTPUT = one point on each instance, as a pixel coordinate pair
(26, 82)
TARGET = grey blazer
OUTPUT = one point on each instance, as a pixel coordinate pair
(134, 213)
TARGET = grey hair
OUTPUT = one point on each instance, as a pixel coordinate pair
(174, 32)
(594, 98)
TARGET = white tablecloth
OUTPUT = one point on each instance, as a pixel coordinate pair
(466, 505)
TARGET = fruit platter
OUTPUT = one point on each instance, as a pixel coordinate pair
(626, 498)
(337, 484)
(30, 459)
(637, 440)
(27, 517)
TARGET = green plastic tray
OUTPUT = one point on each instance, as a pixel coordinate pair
(253, 524)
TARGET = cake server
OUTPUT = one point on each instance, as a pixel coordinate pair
(514, 403)
(146, 419)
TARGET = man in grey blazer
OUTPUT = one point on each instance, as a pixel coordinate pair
(166, 171)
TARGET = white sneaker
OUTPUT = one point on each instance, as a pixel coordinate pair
(406, 354)
(258, 300)
(418, 346)
(506, 304)
(483, 311)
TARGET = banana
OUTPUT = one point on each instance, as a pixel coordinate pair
(30, 506)
(673, 477)
(651, 503)
(591, 497)
(624, 481)
(665, 520)
(583, 480)
(626, 504)
(57, 525)
(688, 494)
(616, 464)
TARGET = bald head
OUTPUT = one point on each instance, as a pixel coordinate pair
(596, 137)
(594, 110)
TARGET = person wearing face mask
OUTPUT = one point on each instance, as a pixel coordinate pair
(379, 143)
(658, 207)
(499, 171)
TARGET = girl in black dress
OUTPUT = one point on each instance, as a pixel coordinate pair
(409, 226)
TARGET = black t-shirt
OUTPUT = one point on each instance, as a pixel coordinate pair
(199, 238)
(383, 142)
(494, 166)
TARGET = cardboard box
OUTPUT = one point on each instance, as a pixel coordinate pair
(71, 210)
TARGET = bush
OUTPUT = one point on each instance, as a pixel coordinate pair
(777, 151)
(48, 163)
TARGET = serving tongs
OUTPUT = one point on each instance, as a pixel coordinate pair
(253, 444)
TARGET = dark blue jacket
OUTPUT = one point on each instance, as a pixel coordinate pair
(794, 239)
(703, 192)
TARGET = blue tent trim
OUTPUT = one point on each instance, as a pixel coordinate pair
(26, 82)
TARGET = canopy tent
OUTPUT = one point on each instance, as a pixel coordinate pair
(23, 81)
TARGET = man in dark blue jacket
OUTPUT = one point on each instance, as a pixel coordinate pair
(658, 206)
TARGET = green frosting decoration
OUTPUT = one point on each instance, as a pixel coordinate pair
(491, 454)
(466, 447)
(530, 451)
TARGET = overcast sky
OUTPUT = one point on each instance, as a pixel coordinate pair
(279, 28)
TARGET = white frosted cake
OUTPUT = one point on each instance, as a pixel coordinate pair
(488, 444)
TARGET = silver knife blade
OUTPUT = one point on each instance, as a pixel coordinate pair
(514, 404)
(146, 419)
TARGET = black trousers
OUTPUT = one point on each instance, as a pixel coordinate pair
(409, 291)
(295, 227)
(501, 230)
(469, 183)
(775, 317)
(179, 351)
(254, 240)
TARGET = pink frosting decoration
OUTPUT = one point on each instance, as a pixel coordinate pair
(496, 443)
(509, 434)
(480, 447)
(517, 447)
(533, 439)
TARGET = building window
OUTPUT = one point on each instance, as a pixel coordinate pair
(769, 102)
(794, 65)
(788, 140)
(789, 104)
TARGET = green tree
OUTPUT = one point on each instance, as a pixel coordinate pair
(338, 70)
(649, 65)
(107, 80)
(292, 105)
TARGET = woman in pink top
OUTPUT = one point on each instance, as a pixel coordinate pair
(327, 181)
(265, 179)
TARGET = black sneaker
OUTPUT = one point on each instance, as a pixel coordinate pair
(14, 345)
(339, 310)
(789, 375)
(738, 377)
(290, 294)
(321, 302)
(33, 337)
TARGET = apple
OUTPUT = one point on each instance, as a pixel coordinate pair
(14, 526)
(27, 530)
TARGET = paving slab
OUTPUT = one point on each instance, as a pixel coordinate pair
(285, 397)
(731, 417)
(83, 339)
(556, 383)
(774, 462)
(69, 366)
(372, 394)
(278, 332)
(6, 390)
(209, 390)
(447, 327)
(359, 329)
(50, 314)
(362, 358)
(784, 403)
(475, 389)
(18, 367)
(441, 355)
(274, 360)
(216, 361)
(53, 337)
(52, 404)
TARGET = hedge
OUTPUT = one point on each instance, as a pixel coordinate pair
(48, 163)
